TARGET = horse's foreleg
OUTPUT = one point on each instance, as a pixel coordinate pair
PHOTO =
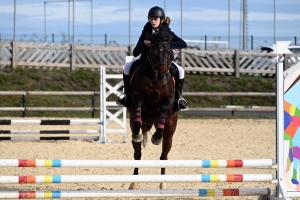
(137, 103)
(158, 135)
(137, 146)
(137, 137)
(169, 130)
(166, 147)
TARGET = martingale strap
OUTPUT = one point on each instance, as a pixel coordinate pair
(161, 122)
(137, 115)
(134, 74)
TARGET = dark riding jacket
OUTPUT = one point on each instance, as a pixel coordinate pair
(141, 48)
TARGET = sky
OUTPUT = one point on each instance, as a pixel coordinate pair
(108, 21)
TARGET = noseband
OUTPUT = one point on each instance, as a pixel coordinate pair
(163, 46)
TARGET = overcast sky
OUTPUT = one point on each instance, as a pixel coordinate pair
(200, 17)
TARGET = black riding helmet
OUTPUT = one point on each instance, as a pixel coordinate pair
(156, 12)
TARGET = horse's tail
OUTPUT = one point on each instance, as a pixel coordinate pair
(145, 139)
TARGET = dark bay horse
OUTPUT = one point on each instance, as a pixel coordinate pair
(151, 100)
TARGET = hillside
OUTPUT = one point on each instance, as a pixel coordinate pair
(21, 79)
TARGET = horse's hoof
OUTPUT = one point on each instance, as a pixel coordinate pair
(137, 138)
(162, 186)
(133, 186)
(263, 197)
(156, 141)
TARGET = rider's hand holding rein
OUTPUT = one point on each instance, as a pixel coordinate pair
(147, 43)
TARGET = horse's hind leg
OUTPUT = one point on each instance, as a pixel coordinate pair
(169, 130)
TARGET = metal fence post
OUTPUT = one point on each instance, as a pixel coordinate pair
(237, 63)
(13, 54)
(24, 105)
(205, 44)
(73, 53)
(232, 103)
(93, 105)
(129, 51)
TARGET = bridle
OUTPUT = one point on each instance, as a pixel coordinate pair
(162, 59)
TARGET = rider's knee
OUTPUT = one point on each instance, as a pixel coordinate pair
(126, 68)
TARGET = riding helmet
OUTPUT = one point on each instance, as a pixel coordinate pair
(156, 12)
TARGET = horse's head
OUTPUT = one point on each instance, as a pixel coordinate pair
(160, 55)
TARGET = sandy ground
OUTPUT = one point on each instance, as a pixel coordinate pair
(194, 139)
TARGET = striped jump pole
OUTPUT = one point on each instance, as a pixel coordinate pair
(48, 134)
(139, 178)
(50, 122)
(134, 194)
(32, 138)
(48, 131)
(245, 163)
(45, 134)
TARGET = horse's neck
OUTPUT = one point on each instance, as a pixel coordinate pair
(147, 68)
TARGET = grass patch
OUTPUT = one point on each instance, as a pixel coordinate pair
(20, 79)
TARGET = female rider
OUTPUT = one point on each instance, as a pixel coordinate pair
(156, 18)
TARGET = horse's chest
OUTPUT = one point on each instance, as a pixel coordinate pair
(154, 94)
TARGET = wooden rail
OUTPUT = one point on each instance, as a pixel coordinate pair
(232, 108)
(49, 55)
(229, 93)
(24, 108)
(93, 108)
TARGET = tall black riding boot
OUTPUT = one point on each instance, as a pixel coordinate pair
(182, 104)
(122, 100)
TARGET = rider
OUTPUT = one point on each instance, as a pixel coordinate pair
(156, 17)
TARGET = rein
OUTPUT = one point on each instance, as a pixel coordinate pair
(161, 55)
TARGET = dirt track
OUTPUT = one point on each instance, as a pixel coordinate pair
(194, 139)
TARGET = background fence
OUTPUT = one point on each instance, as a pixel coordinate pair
(120, 22)
(24, 108)
(92, 57)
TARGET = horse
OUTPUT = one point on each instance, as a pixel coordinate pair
(151, 100)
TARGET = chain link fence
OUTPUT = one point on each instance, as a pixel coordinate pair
(119, 22)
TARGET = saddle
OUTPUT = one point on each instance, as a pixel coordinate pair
(136, 64)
